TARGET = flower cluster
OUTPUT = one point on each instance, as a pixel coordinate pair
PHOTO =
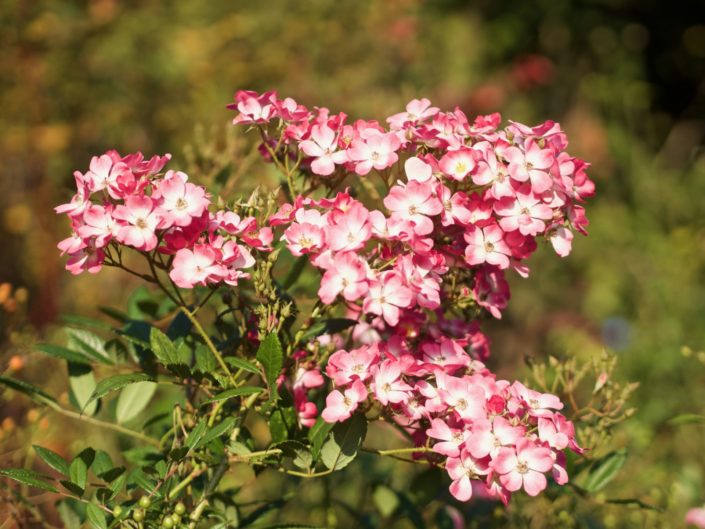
(126, 201)
(416, 259)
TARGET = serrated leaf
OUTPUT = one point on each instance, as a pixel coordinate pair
(271, 356)
(52, 459)
(219, 429)
(133, 399)
(62, 352)
(330, 326)
(299, 453)
(239, 363)
(604, 470)
(82, 385)
(343, 443)
(27, 477)
(116, 382)
(78, 469)
(96, 516)
(89, 344)
(28, 389)
(205, 361)
(162, 347)
(234, 392)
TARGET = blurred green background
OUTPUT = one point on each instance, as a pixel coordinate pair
(626, 79)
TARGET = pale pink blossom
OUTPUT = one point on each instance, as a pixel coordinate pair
(141, 220)
(523, 466)
(341, 405)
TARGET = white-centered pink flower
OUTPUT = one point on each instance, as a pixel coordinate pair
(347, 276)
(532, 163)
(525, 212)
(377, 151)
(341, 405)
(458, 164)
(387, 384)
(141, 220)
(195, 267)
(523, 467)
(181, 201)
(386, 296)
(462, 470)
(415, 202)
(322, 146)
(487, 245)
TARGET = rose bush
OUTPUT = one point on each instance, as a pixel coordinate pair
(407, 229)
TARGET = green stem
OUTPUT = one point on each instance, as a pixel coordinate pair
(102, 424)
(184, 483)
(209, 343)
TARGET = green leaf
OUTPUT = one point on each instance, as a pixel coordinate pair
(196, 434)
(133, 399)
(82, 384)
(297, 451)
(52, 459)
(63, 353)
(28, 389)
(234, 392)
(318, 434)
(162, 347)
(72, 488)
(219, 429)
(83, 321)
(385, 499)
(115, 314)
(78, 470)
(27, 477)
(89, 344)
(102, 463)
(68, 512)
(205, 361)
(271, 356)
(96, 516)
(345, 440)
(330, 326)
(604, 470)
(687, 418)
(239, 363)
(116, 382)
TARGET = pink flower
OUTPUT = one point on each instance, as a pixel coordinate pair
(104, 173)
(141, 220)
(416, 110)
(461, 470)
(458, 164)
(99, 223)
(347, 275)
(351, 229)
(414, 202)
(540, 404)
(449, 440)
(192, 267)
(386, 296)
(252, 107)
(88, 259)
(531, 164)
(80, 201)
(344, 367)
(340, 406)
(561, 240)
(304, 238)
(387, 384)
(488, 438)
(467, 400)
(322, 147)
(377, 151)
(490, 171)
(181, 201)
(523, 467)
(696, 517)
(455, 207)
(525, 213)
(486, 245)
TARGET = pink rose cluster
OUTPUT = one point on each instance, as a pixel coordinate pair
(127, 201)
(464, 202)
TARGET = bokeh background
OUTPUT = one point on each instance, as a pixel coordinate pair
(626, 79)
